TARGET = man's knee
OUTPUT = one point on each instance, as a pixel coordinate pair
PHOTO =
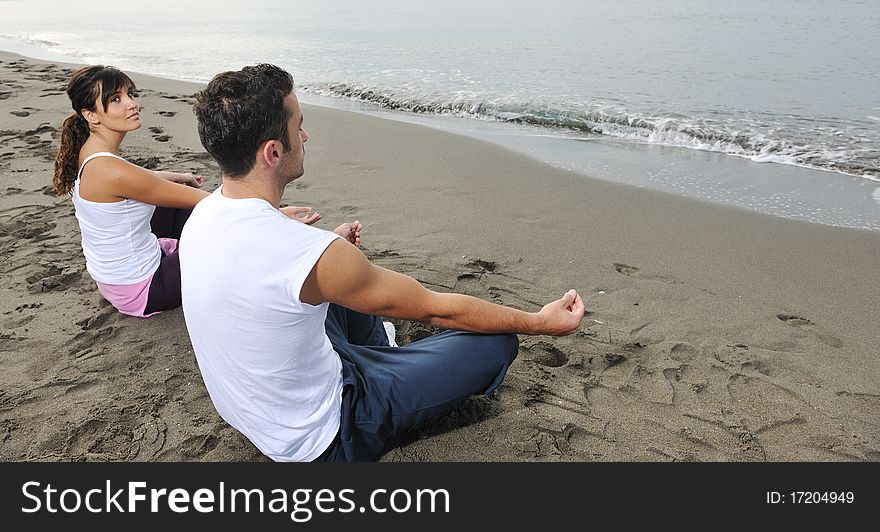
(504, 349)
(509, 346)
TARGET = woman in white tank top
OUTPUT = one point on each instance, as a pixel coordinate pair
(130, 217)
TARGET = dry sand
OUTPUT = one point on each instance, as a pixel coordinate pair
(712, 334)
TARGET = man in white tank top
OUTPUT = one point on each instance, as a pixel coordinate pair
(282, 315)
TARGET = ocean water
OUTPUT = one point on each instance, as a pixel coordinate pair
(772, 105)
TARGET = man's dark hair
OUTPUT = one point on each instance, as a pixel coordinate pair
(239, 110)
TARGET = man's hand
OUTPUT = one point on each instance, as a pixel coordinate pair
(294, 212)
(351, 232)
(563, 316)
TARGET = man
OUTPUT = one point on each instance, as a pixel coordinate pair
(282, 315)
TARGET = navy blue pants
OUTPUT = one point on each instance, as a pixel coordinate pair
(165, 287)
(387, 390)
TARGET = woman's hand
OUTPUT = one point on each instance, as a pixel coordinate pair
(191, 180)
(294, 212)
(351, 232)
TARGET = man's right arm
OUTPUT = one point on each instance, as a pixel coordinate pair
(344, 276)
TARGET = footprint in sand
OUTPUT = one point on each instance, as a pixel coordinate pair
(43, 128)
(683, 352)
(158, 134)
(21, 114)
(481, 279)
(97, 321)
(654, 385)
(20, 321)
(84, 436)
(476, 269)
(625, 269)
(632, 271)
(150, 163)
(149, 438)
(808, 326)
(485, 265)
(52, 277)
(198, 446)
(794, 321)
(28, 225)
(166, 113)
(545, 354)
(22, 318)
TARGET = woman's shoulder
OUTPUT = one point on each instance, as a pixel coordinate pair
(100, 157)
(99, 175)
(87, 156)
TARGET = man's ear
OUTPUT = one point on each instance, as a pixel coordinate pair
(270, 152)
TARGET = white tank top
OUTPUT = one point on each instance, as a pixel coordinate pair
(117, 241)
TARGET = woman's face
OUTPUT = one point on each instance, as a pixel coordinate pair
(121, 113)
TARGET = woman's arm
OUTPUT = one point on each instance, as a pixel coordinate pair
(184, 179)
(126, 180)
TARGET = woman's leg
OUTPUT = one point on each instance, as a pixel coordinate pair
(168, 222)
(165, 287)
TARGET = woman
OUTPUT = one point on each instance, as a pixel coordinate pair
(130, 217)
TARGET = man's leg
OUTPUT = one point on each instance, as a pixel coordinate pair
(356, 327)
(389, 390)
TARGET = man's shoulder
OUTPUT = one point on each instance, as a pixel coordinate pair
(254, 220)
(216, 206)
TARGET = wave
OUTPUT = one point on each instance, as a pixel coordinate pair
(829, 148)
(822, 143)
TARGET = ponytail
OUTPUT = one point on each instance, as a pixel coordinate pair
(74, 132)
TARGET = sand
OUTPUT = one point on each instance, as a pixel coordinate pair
(712, 334)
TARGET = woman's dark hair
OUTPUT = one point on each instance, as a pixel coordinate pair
(240, 110)
(83, 89)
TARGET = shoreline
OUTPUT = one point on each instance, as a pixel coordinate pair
(788, 191)
(713, 333)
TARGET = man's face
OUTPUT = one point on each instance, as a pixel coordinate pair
(293, 159)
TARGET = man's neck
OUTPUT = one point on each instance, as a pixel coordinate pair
(251, 186)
